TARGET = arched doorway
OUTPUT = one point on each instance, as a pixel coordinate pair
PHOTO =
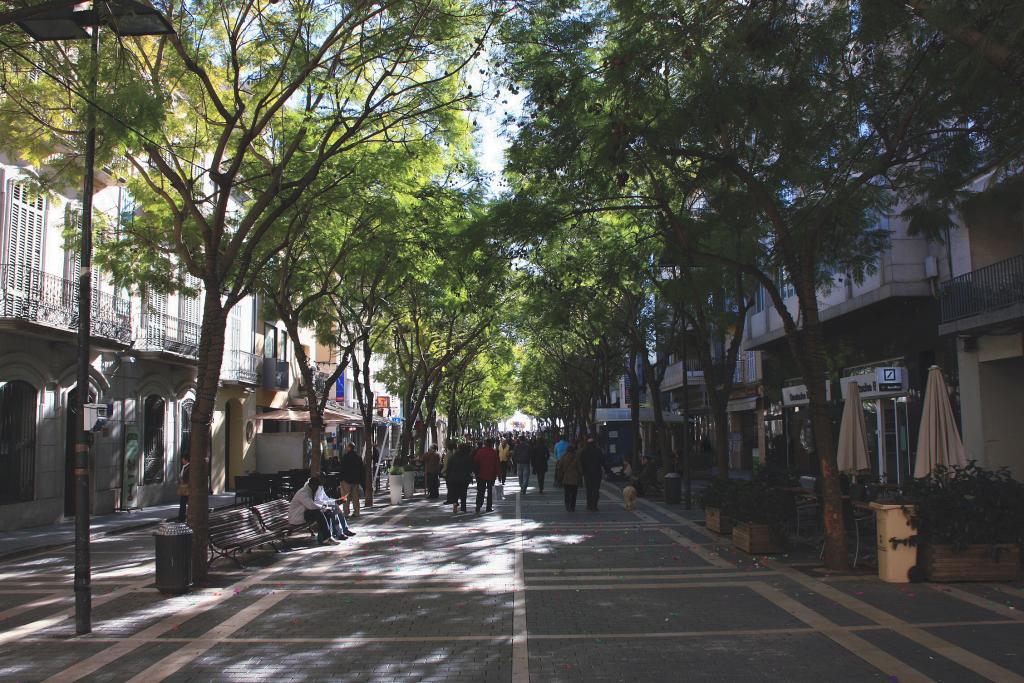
(18, 401)
(71, 425)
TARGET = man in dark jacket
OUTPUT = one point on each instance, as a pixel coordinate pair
(592, 460)
(351, 478)
(539, 460)
(458, 474)
(487, 465)
(521, 456)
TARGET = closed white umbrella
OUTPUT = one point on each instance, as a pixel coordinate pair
(938, 441)
(853, 434)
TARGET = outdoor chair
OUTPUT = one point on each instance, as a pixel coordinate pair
(234, 531)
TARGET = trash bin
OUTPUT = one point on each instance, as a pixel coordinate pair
(673, 488)
(173, 557)
(894, 564)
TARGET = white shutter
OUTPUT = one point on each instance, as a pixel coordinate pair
(24, 247)
(188, 306)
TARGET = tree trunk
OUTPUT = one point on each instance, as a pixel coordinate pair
(835, 555)
(316, 416)
(634, 410)
(211, 356)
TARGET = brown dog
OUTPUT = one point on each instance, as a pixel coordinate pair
(629, 498)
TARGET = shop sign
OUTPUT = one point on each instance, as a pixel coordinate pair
(797, 395)
(881, 383)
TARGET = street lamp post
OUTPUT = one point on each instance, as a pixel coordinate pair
(73, 22)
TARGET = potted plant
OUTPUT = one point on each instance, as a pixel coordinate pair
(409, 480)
(718, 501)
(969, 522)
(395, 484)
(759, 517)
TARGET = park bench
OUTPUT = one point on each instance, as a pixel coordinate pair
(234, 531)
(273, 515)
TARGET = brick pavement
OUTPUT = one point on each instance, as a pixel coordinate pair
(528, 593)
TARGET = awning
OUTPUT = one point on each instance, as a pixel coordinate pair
(623, 415)
(738, 405)
(302, 415)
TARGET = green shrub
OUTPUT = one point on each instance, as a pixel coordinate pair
(964, 506)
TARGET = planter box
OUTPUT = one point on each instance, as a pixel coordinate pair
(756, 539)
(395, 488)
(409, 483)
(976, 563)
(715, 521)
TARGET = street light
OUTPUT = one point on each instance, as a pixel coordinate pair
(80, 21)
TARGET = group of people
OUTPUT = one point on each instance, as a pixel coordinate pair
(489, 461)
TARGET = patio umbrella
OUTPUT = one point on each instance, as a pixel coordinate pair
(938, 441)
(853, 434)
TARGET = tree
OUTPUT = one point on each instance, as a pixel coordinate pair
(799, 123)
(262, 103)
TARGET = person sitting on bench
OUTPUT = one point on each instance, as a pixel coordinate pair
(647, 483)
(304, 509)
(340, 530)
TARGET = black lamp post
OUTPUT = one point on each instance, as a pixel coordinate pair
(81, 21)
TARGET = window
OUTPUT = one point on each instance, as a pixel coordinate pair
(269, 341)
(282, 345)
(17, 441)
(23, 248)
(185, 429)
(153, 440)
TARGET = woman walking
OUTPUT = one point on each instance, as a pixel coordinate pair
(569, 471)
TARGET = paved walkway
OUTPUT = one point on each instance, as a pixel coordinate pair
(528, 593)
(14, 543)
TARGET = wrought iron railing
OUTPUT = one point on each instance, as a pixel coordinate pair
(243, 367)
(985, 289)
(166, 333)
(33, 295)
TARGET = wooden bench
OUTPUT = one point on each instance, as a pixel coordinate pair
(235, 531)
(273, 515)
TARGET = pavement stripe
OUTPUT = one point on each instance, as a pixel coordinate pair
(978, 601)
(203, 602)
(56, 618)
(35, 604)
(520, 636)
(620, 570)
(871, 654)
(965, 658)
(172, 663)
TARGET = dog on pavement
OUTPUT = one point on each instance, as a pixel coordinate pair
(629, 498)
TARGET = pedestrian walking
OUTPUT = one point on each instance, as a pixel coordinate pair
(592, 461)
(539, 460)
(504, 455)
(458, 476)
(486, 465)
(352, 474)
(432, 471)
(569, 471)
(521, 457)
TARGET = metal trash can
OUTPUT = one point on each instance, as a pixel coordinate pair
(673, 488)
(173, 557)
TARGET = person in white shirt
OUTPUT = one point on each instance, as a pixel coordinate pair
(304, 509)
(340, 530)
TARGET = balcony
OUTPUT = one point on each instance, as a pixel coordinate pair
(983, 298)
(167, 334)
(30, 295)
(242, 368)
(275, 374)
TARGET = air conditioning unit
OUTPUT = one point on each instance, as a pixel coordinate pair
(96, 416)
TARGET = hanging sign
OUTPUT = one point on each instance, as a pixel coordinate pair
(797, 395)
(339, 389)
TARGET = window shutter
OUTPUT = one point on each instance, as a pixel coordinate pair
(24, 248)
